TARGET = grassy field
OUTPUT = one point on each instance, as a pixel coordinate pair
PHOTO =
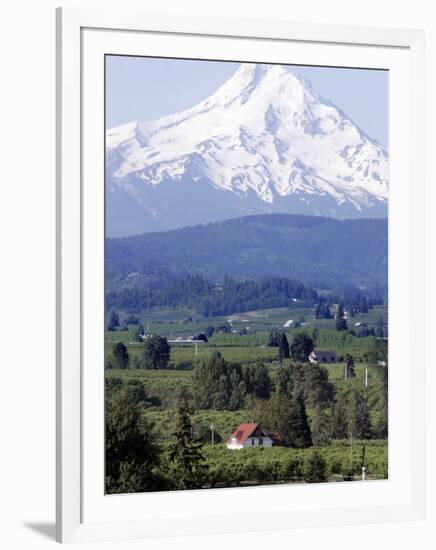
(280, 465)
(165, 383)
(224, 421)
(184, 322)
(247, 345)
(157, 383)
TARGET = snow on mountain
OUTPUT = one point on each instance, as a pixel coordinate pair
(265, 141)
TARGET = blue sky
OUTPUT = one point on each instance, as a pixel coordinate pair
(141, 88)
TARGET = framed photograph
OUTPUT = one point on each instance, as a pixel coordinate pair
(240, 267)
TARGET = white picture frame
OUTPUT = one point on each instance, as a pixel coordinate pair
(81, 515)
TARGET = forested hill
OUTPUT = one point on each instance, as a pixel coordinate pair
(320, 252)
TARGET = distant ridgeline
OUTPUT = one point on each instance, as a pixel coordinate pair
(249, 263)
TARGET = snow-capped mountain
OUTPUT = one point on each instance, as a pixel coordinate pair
(265, 141)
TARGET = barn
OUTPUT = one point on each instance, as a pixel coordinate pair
(323, 357)
(250, 435)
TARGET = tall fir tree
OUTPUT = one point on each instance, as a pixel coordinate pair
(341, 322)
(114, 321)
(283, 347)
(120, 356)
(298, 431)
(339, 424)
(349, 365)
(315, 468)
(187, 463)
(273, 339)
(320, 426)
(359, 423)
(155, 353)
(318, 390)
(132, 452)
(139, 333)
(301, 347)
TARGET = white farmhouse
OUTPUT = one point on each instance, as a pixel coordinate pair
(322, 357)
(249, 435)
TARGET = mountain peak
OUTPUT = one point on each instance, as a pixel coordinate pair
(259, 81)
(264, 136)
(255, 72)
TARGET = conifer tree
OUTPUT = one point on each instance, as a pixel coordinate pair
(301, 346)
(283, 347)
(339, 423)
(139, 333)
(359, 423)
(341, 322)
(120, 356)
(186, 460)
(132, 453)
(298, 433)
(349, 365)
(114, 321)
(315, 469)
(320, 426)
(156, 353)
(273, 339)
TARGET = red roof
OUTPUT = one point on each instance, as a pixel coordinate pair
(243, 432)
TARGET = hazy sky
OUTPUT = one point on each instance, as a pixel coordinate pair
(142, 88)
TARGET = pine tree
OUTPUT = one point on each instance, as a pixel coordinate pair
(318, 390)
(349, 365)
(156, 353)
(139, 333)
(363, 305)
(359, 423)
(320, 426)
(298, 432)
(120, 356)
(283, 347)
(315, 336)
(341, 322)
(132, 453)
(186, 460)
(328, 313)
(382, 423)
(114, 321)
(273, 339)
(315, 469)
(339, 425)
(301, 346)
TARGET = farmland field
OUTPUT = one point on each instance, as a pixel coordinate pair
(245, 344)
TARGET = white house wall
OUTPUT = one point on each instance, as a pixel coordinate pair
(254, 442)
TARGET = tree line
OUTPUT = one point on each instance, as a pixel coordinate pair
(209, 299)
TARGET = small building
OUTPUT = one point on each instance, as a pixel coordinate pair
(249, 435)
(288, 323)
(322, 357)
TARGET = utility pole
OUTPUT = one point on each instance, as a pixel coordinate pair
(366, 376)
(212, 427)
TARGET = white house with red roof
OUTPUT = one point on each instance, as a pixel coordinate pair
(249, 435)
